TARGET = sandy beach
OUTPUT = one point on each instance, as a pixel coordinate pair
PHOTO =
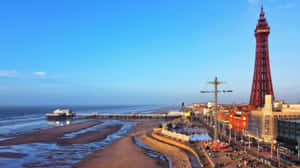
(91, 136)
(121, 153)
(179, 158)
(55, 136)
(48, 135)
(11, 155)
(124, 153)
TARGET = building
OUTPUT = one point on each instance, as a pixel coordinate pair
(194, 106)
(288, 133)
(238, 121)
(262, 122)
(262, 82)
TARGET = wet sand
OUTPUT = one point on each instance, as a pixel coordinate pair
(48, 135)
(91, 136)
(123, 153)
(55, 135)
(12, 154)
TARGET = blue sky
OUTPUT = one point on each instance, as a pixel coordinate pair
(141, 51)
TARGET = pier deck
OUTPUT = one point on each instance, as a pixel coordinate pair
(130, 116)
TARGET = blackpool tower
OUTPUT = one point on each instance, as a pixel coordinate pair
(262, 82)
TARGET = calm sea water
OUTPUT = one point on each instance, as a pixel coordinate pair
(16, 120)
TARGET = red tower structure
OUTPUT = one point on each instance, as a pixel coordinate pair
(262, 82)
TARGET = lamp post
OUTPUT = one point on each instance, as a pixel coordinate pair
(249, 142)
(298, 149)
(258, 148)
(244, 140)
(230, 133)
(234, 136)
(271, 151)
(257, 142)
(278, 158)
(224, 129)
(274, 142)
(249, 139)
(277, 153)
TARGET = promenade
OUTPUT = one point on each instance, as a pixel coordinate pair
(240, 143)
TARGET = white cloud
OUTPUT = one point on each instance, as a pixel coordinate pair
(9, 73)
(39, 73)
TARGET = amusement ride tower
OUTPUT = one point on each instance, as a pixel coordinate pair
(262, 82)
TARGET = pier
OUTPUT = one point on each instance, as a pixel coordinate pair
(170, 115)
(130, 116)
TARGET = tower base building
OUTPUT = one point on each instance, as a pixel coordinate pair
(263, 122)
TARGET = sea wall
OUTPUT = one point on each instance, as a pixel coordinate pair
(174, 135)
(180, 145)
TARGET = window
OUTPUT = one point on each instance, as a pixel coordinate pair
(267, 127)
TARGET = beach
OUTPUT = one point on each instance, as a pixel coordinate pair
(90, 136)
(60, 146)
(48, 135)
(33, 141)
(124, 152)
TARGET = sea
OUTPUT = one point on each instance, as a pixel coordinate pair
(15, 120)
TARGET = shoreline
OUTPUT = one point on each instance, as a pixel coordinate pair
(124, 152)
(91, 136)
(49, 143)
(87, 133)
(48, 135)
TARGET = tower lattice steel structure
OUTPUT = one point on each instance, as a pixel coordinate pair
(262, 81)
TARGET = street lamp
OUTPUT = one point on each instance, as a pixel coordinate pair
(234, 136)
(249, 140)
(230, 126)
(244, 140)
(274, 142)
(278, 158)
(258, 147)
(298, 149)
(257, 141)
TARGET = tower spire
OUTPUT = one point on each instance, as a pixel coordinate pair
(262, 13)
(262, 81)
